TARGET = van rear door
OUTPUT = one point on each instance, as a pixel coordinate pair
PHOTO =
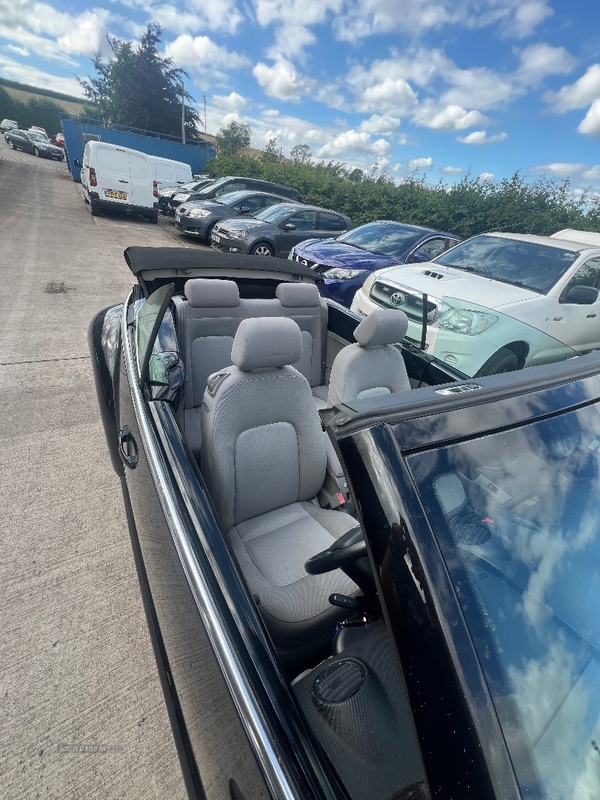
(141, 179)
(112, 174)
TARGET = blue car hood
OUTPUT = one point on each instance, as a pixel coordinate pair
(337, 254)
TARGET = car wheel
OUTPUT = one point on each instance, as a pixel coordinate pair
(502, 361)
(11, 144)
(36, 152)
(262, 249)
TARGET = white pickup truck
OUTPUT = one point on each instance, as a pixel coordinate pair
(498, 301)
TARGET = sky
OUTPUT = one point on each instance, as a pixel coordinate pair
(436, 88)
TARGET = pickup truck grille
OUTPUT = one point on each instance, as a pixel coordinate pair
(409, 302)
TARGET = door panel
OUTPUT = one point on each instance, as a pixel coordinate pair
(579, 325)
(306, 228)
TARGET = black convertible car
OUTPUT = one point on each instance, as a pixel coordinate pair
(364, 576)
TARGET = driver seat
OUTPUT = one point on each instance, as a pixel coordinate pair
(263, 458)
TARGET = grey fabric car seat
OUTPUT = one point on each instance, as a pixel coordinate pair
(263, 459)
(372, 366)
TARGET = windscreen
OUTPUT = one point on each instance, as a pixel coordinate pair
(274, 214)
(527, 264)
(517, 518)
(383, 238)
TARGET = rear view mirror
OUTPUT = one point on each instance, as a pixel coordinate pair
(580, 295)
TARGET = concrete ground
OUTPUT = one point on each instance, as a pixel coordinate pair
(76, 664)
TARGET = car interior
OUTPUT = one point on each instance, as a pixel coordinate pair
(258, 369)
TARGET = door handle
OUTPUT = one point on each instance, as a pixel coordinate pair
(123, 181)
(128, 449)
(590, 316)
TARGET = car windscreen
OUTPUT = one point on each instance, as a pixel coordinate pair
(516, 517)
(382, 237)
(230, 198)
(209, 187)
(527, 264)
(38, 137)
(274, 214)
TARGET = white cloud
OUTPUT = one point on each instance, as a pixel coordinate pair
(481, 137)
(19, 51)
(293, 20)
(354, 142)
(451, 170)
(420, 163)
(450, 118)
(209, 61)
(527, 16)
(593, 173)
(392, 94)
(540, 60)
(24, 73)
(579, 94)
(562, 169)
(281, 80)
(380, 123)
(87, 34)
(486, 177)
(590, 124)
(233, 102)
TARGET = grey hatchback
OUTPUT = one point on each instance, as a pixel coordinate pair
(275, 230)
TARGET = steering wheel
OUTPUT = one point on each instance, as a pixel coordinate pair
(343, 552)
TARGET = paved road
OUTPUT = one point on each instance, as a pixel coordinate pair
(76, 663)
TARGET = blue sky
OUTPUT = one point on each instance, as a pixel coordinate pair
(440, 87)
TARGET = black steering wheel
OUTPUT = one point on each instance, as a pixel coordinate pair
(343, 552)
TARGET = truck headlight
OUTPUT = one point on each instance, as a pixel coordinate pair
(368, 284)
(466, 322)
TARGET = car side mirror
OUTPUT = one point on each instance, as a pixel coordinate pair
(418, 258)
(289, 226)
(244, 210)
(580, 295)
(77, 163)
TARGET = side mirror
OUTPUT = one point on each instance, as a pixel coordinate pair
(289, 226)
(244, 210)
(77, 163)
(418, 258)
(580, 295)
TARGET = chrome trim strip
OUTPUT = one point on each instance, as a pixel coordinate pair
(250, 715)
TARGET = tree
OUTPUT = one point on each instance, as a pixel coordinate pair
(301, 154)
(140, 89)
(272, 153)
(233, 138)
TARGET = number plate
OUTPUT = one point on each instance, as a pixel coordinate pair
(115, 195)
(216, 238)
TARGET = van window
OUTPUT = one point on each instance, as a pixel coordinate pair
(140, 168)
(164, 172)
(114, 162)
(181, 174)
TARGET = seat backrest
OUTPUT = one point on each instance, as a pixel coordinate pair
(303, 303)
(374, 365)
(262, 444)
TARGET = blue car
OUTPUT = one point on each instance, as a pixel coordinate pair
(346, 261)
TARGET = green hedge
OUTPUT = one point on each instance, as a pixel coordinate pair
(469, 207)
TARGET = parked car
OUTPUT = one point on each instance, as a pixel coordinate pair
(430, 629)
(8, 125)
(476, 295)
(198, 218)
(59, 139)
(233, 184)
(33, 142)
(346, 261)
(165, 195)
(275, 230)
(116, 178)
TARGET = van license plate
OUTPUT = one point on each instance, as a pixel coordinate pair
(115, 195)
(216, 238)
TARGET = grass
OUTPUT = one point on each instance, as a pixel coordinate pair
(23, 95)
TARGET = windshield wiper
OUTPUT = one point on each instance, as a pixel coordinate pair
(458, 266)
(509, 281)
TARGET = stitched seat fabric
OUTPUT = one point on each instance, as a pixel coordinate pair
(263, 459)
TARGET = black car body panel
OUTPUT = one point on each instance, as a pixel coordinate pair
(246, 724)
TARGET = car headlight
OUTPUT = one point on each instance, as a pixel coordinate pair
(368, 284)
(343, 274)
(199, 212)
(469, 323)
(241, 234)
(292, 253)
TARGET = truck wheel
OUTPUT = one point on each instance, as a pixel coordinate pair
(502, 361)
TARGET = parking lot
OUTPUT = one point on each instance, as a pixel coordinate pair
(81, 708)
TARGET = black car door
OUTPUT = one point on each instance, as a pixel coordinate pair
(225, 720)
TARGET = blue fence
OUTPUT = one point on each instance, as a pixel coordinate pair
(77, 133)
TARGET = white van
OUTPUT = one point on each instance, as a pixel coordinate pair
(169, 173)
(115, 177)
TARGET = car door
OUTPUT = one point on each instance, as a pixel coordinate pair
(26, 143)
(227, 741)
(298, 226)
(249, 205)
(575, 324)
(331, 224)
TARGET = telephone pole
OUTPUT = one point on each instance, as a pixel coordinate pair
(182, 113)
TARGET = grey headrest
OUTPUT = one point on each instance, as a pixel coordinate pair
(382, 326)
(298, 295)
(266, 342)
(450, 493)
(207, 293)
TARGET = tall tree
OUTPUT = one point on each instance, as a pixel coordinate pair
(233, 138)
(137, 87)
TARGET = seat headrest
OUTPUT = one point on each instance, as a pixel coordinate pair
(266, 342)
(208, 293)
(382, 326)
(298, 295)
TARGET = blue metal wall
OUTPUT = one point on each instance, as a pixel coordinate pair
(77, 133)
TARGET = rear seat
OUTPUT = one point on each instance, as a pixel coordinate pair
(207, 323)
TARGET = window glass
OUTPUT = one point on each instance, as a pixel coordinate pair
(236, 186)
(145, 321)
(275, 213)
(112, 162)
(429, 250)
(386, 238)
(251, 204)
(140, 167)
(163, 171)
(331, 222)
(303, 220)
(588, 274)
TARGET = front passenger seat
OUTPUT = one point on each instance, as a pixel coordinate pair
(263, 459)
